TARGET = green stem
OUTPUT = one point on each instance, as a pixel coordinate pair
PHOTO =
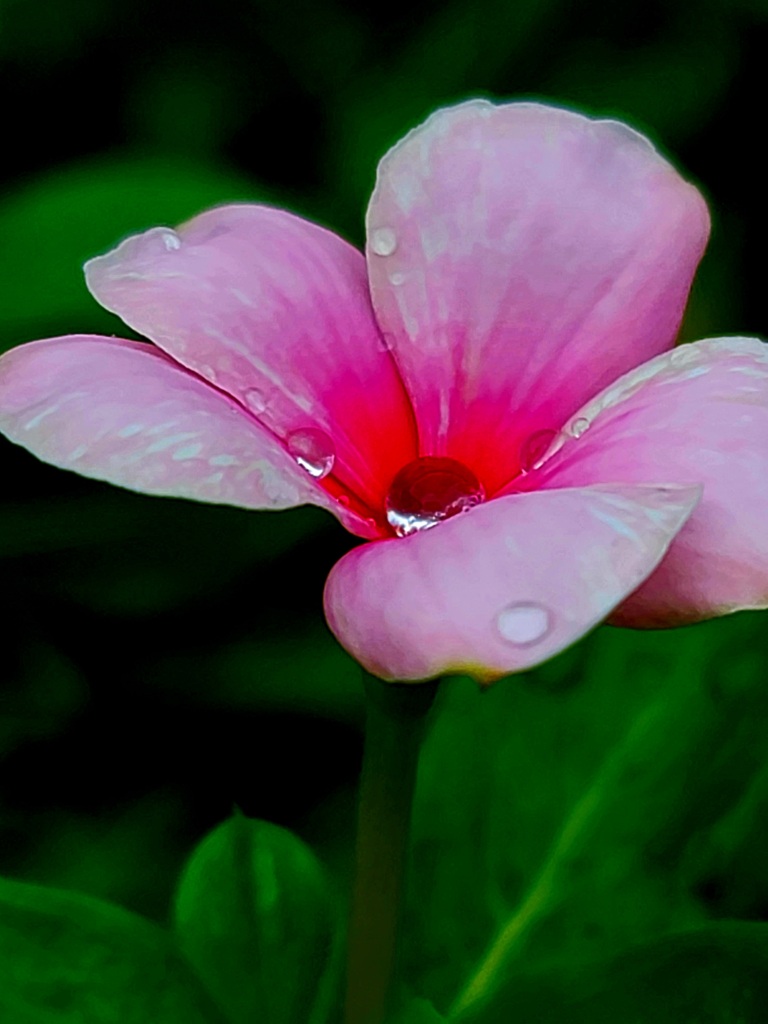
(394, 728)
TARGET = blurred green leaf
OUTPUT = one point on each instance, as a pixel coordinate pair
(419, 1011)
(572, 812)
(51, 225)
(255, 916)
(70, 959)
(134, 554)
(714, 975)
(301, 671)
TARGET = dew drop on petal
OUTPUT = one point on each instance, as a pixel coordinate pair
(429, 490)
(255, 399)
(171, 240)
(524, 623)
(579, 427)
(383, 241)
(534, 448)
(313, 450)
(397, 278)
(344, 500)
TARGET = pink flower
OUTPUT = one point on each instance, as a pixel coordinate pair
(498, 366)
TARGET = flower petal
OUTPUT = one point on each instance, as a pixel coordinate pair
(695, 415)
(125, 412)
(521, 257)
(503, 587)
(275, 311)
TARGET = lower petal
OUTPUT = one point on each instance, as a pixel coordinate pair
(503, 587)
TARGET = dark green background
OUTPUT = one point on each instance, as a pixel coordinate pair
(162, 661)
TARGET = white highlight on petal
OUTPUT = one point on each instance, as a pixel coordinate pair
(187, 452)
(130, 430)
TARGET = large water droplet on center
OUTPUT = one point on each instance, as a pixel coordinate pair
(313, 450)
(429, 490)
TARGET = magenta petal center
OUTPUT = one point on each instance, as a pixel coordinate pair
(429, 490)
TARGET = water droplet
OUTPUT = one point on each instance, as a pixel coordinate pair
(344, 499)
(383, 241)
(429, 490)
(398, 278)
(171, 240)
(207, 371)
(524, 623)
(255, 399)
(534, 448)
(579, 427)
(313, 450)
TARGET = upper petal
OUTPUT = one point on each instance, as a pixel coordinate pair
(125, 412)
(275, 311)
(521, 257)
(695, 415)
(503, 587)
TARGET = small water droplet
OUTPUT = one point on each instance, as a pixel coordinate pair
(207, 371)
(313, 450)
(383, 241)
(524, 623)
(398, 278)
(171, 240)
(579, 427)
(344, 499)
(534, 448)
(255, 399)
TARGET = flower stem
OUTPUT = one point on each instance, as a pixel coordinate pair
(394, 728)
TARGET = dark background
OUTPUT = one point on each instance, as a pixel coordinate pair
(161, 660)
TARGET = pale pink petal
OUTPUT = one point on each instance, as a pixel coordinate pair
(503, 587)
(696, 415)
(125, 412)
(521, 257)
(275, 311)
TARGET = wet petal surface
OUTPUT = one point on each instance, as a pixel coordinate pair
(275, 311)
(125, 412)
(521, 258)
(696, 415)
(504, 586)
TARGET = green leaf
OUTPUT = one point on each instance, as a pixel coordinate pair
(561, 816)
(255, 916)
(70, 959)
(714, 975)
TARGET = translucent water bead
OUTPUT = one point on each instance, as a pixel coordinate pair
(429, 490)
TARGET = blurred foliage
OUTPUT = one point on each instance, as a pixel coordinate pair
(255, 915)
(163, 660)
(590, 806)
(66, 958)
(714, 974)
